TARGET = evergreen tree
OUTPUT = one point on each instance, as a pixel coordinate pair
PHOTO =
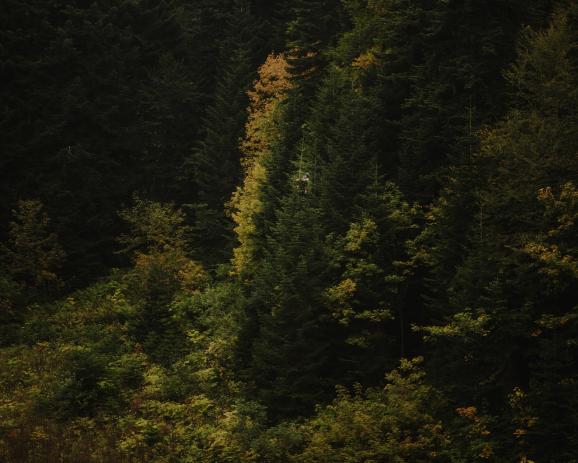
(313, 26)
(100, 102)
(498, 297)
(216, 164)
(292, 363)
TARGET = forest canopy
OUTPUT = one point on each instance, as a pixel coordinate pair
(305, 231)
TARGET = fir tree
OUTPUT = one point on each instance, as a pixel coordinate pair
(215, 163)
(292, 361)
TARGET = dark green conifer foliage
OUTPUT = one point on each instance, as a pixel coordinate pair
(306, 37)
(439, 67)
(273, 16)
(368, 296)
(416, 194)
(345, 151)
(280, 166)
(100, 102)
(215, 163)
(502, 308)
(292, 361)
(313, 26)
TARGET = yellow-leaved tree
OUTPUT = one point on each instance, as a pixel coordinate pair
(261, 132)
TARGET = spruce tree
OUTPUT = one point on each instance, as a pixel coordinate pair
(292, 361)
(502, 305)
(101, 101)
(214, 167)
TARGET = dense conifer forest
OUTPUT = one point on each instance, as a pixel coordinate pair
(289, 231)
